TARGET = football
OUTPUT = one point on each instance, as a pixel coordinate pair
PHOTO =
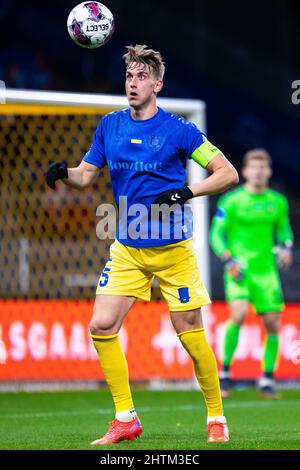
(90, 24)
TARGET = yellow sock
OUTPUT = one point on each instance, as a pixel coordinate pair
(115, 369)
(205, 365)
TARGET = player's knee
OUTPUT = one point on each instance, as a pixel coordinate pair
(238, 319)
(272, 323)
(103, 327)
(239, 310)
(184, 321)
(272, 327)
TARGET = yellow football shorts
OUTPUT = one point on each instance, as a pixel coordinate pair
(130, 271)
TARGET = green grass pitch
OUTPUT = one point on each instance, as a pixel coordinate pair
(171, 420)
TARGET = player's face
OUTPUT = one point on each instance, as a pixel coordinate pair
(141, 85)
(257, 173)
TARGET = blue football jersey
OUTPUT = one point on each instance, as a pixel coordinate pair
(145, 158)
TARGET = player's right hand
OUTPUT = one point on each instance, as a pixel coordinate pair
(234, 269)
(56, 171)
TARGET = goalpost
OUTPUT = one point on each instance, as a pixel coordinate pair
(41, 105)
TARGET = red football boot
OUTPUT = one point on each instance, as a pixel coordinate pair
(217, 431)
(119, 431)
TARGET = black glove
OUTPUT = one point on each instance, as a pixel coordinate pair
(56, 171)
(173, 196)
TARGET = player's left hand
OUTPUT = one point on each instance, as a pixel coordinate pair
(284, 257)
(174, 196)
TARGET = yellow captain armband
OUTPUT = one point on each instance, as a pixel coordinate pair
(205, 153)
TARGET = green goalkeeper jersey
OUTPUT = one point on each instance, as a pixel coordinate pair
(249, 225)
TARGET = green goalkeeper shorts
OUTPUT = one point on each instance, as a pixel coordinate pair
(261, 289)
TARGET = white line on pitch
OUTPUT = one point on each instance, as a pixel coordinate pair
(245, 404)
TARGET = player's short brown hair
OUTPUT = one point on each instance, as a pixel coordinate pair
(257, 154)
(143, 55)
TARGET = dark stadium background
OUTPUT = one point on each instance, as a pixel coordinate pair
(239, 57)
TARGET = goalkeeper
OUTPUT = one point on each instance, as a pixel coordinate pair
(247, 221)
(146, 150)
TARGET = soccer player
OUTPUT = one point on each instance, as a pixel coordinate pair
(247, 222)
(146, 151)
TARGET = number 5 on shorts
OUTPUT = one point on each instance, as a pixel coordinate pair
(104, 277)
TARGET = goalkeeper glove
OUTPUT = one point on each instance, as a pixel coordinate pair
(174, 196)
(283, 256)
(56, 171)
(233, 267)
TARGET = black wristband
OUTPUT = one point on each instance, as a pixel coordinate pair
(187, 193)
(174, 196)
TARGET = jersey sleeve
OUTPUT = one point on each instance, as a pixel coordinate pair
(218, 236)
(196, 146)
(96, 154)
(190, 137)
(283, 231)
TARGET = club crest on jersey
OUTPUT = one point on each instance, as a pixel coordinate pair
(155, 142)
